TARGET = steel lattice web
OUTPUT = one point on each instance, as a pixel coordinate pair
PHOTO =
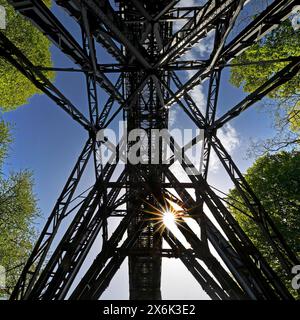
(147, 50)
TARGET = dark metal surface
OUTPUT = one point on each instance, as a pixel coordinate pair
(146, 51)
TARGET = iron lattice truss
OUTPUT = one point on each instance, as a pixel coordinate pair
(140, 37)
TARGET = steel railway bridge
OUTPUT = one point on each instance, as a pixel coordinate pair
(147, 50)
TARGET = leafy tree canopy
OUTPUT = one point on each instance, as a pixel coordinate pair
(283, 42)
(4, 140)
(294, 118)
(18, 208)
(17, 212)
(275, 179)
(16, 89)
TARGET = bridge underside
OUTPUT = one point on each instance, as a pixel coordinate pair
(147, 41)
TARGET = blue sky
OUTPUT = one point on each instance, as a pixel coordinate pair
(47, 142)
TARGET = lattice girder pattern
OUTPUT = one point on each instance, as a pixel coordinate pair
(147, 41)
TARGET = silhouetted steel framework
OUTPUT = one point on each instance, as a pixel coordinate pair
(140, 37)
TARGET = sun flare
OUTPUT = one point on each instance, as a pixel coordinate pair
(166, 215)
(169, 219)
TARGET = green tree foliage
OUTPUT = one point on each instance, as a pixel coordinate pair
(283, 42)
(16, 89)
(294, 118)
(17, 213)
(18, 208)
(275, 179)
(4, 140)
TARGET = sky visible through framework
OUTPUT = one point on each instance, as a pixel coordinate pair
(48, 142)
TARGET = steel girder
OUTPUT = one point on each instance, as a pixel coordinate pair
(269, 230)
(65, 262)
(105, 13)
(88, 44)
(201, 249)
(238, 253)
(74, 9)
(182, 65)
(281, 77)
(86, 288)
(146, 112)
(98, 277)
(232, 230)
(264, 23)
(196, 28)
(221, 33)
(14, 56)
(91, 76)
(85, 226)
(139, 36)
(209, 285)
(190, 104)
(41, 16)
(39, 253)
(211, 108)
(286, 257)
